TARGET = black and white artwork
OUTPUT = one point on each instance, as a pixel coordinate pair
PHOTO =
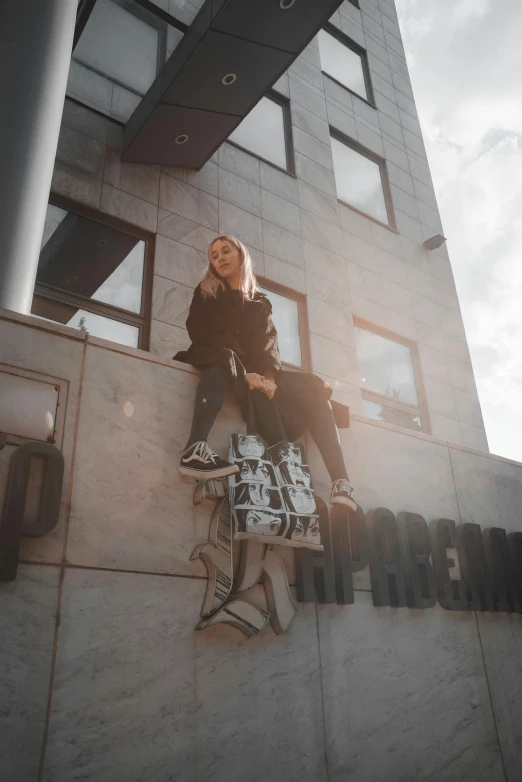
(294, 474)
(257, 495)
(303, 531)
(299, 499)
(246, 446)
(272, 495)
(281, 452)
(260, 522)
(255, 470)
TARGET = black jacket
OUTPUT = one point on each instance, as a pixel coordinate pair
(241, 337)
(244, 327)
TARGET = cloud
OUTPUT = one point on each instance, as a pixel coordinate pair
(465, 62)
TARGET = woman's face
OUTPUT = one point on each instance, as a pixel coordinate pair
(225, 259)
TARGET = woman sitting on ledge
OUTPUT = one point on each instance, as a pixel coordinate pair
(234, 342)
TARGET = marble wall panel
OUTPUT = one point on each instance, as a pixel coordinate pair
(489, 490)
(171, 301)
(140, 695)
(405, 696)
(28, 620)
(54, 355)
(501, 636)
(131, 509)
(77, 186)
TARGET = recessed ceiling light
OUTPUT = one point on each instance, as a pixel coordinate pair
(229, 79)
(72, 279)
(102, 243)
(286, 4)
(181, 139)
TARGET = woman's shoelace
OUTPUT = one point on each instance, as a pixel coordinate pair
(204, 452)
(341, 484)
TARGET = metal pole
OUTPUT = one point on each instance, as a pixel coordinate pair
(35, 50)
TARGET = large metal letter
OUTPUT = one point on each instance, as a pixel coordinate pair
(386, 568)
(421, 589)
(502, 570)
(12, 526)
(474, 567)
(515, 544)
(350, 549)
(315, 572)
(451, 593)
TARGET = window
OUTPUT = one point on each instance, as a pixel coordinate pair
(390, 382)
(290, 318)
(121, 46)
(361, 180)
(92, 275)
(266, 132)
(345, 62)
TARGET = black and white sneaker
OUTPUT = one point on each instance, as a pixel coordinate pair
(200, 461)
(342, 494)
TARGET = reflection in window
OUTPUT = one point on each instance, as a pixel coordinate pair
(263, 132)
(90, 276)
(89, 322)
(120, 45)
(342, 63)
(285, 314)
(90, 259)
(385, 366)
(119, 54)
(359, 181)
(391, 415)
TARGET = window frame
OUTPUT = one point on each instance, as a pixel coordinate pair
(142, 10)
(284, 102)
(302, 312)
(334, 31)
(141, 320)
(373, 396)
(385, 179)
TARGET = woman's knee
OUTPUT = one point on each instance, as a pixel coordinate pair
(214, 378)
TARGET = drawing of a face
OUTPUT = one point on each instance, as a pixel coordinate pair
(249, 445)
(298, 530)
(259, 494)
(297, 475)
(263, 523)
(302, 499)
(255, 471)
(294, 453)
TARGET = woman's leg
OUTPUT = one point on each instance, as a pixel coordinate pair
(210, 396)
(322, 427)
(266, 418)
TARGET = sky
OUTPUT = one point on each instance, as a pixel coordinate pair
(465, 61)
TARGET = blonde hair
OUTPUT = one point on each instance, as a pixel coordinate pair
(212, 282)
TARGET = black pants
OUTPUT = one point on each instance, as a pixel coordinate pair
(210, 396)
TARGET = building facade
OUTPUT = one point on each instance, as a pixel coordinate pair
(327, 182)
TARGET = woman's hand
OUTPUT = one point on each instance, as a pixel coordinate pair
(268, 388)
(254, 381)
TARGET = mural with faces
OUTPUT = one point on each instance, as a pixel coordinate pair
(258, 495)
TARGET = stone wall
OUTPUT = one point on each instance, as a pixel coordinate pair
(103, 676)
